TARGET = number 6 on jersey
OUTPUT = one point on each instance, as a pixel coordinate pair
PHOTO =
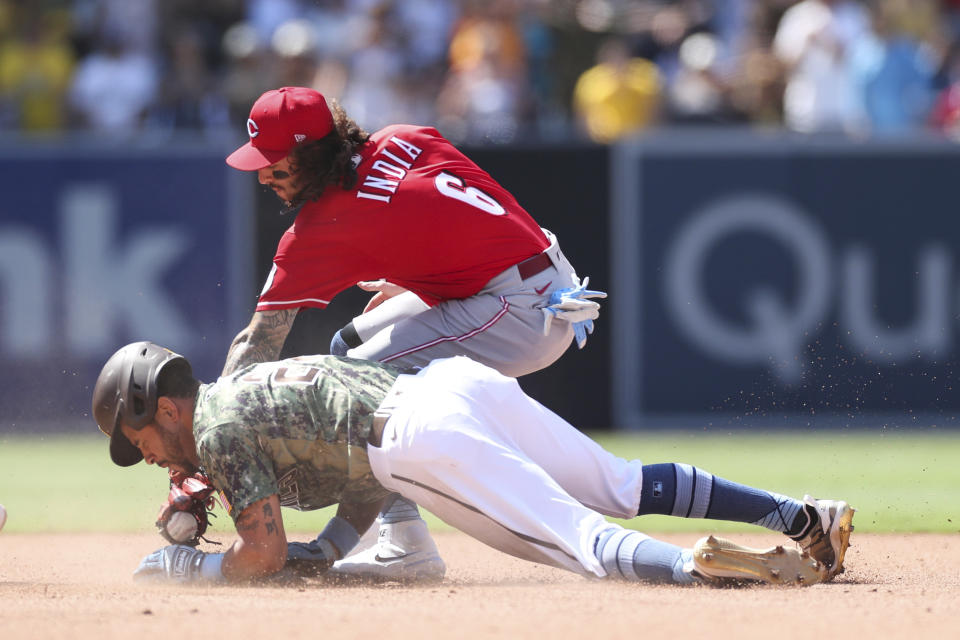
(454, 187)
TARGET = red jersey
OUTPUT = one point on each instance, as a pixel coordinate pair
(422, 215)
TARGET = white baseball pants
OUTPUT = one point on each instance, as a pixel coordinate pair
(465, 443)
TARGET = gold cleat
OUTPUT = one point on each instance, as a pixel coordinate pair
(722, 562)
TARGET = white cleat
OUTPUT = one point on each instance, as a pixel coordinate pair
(404, 552)
(828, 538)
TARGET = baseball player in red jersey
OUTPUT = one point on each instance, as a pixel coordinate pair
(457, 266)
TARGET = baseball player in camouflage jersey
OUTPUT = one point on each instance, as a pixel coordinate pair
(458, 267)
(457, 437)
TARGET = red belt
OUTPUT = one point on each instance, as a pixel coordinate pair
(532, 266)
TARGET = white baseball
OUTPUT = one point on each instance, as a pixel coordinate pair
(3, 517)
(182, 526)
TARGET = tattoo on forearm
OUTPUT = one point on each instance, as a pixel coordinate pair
(269, 521)
(261, 341)
(247, 522)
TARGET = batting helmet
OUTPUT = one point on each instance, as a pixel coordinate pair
(126, 393)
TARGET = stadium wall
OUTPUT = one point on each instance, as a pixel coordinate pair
(766, 281)
(755, 281)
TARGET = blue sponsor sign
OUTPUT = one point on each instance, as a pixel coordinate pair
(99, 248)
(769, 282)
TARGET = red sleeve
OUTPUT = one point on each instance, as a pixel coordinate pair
(307, 272)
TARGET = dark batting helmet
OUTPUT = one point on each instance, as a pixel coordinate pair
(126, 393)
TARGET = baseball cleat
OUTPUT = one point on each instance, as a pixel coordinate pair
(828, 535)
(404, 552)
(722, 562)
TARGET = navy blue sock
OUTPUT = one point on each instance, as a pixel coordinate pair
(659, 490)
(688, 492)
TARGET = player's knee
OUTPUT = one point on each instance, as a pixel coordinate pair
(344, 340)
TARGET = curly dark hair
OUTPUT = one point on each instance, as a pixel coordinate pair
(329, 160)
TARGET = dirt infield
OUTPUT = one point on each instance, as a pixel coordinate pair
(79, 586)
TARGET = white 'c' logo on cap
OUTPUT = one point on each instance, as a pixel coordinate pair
(252, 129)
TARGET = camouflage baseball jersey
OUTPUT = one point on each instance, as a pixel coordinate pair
(296, 428)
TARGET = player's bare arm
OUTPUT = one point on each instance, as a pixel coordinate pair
(261, 340)
(262, 547)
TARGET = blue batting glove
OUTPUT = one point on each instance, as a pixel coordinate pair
(572, 305)
(580, 331)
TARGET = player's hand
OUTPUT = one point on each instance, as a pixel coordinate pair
(385, 290)
(184, 518)
(180, 563)
(573, 305)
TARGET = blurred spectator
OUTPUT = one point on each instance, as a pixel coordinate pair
(189, 98)
(945, 114)
(951, 15)
(487, 34)
(548, 107)
(426, 26)
(483, 70)
(113, 87)
(339, 27)
(755, 84)
(893, 66)
(208, 21)
(375, 73)
(134, 22)
(813, 42)
(698, 93)
(265, 16)
(36, 64)
(294, 47)
(484, 95)
(755, 90)
(243, 80)
(619, 96)
(731, 23)
(668, 28)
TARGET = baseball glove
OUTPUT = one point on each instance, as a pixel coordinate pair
(185, 516)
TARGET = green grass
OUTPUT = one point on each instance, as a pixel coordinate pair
(902, 481)
(898, 481)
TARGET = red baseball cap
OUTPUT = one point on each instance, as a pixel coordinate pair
(279, 120)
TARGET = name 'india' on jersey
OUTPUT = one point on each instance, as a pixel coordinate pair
(422, 216)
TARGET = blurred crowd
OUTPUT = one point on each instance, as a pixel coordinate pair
(488, 71)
